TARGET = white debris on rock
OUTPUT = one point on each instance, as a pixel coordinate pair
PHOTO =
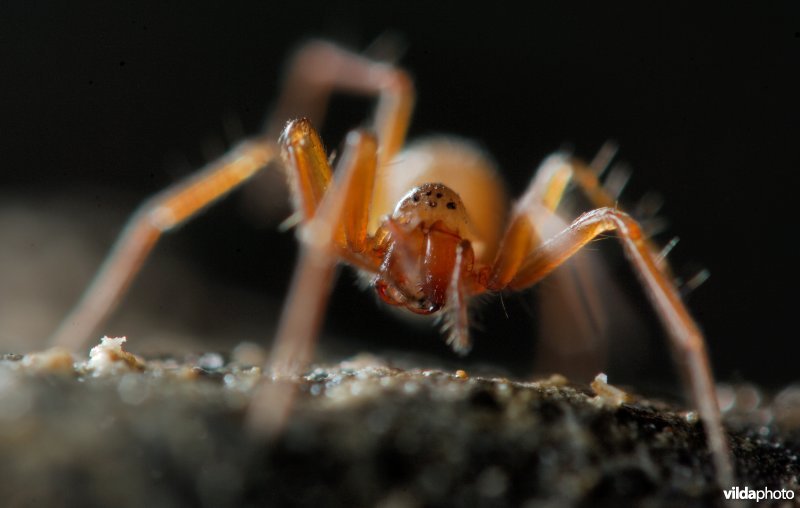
(109, 358)
(607, 395)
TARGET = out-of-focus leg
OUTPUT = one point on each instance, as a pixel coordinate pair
(320, 68)
(338, 224)
(161, 213)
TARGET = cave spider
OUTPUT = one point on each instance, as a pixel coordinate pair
(428, 224)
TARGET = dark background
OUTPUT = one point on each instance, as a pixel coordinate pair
(102, 100)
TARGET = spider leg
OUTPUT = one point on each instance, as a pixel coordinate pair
(558, 170)
(320, 68)
(538, 204)
(308, 171)
(575, 346)
(316, 71)
(337, 227)
(161, 213)
(574, 316)
(686, 337)
(586, 177)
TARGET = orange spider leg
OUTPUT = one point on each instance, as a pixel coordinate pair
(338, 224)
(308, 171)
(685, 335)
(162, 213)
(558, 171)
(575, 290)
(522, 235)
(534, 216)
(337, 229)
(540, 201)
(520, 265)
(319, 68)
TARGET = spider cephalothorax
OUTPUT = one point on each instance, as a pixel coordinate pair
(420, 245)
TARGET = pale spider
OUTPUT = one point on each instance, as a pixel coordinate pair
(428, 225)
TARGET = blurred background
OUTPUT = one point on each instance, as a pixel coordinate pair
(104, 104)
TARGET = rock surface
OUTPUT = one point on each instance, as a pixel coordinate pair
(363, 433)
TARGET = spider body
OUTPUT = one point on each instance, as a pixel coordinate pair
(429, 225)
(419, 244)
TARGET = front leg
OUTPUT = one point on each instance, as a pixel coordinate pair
(337, 230)
(336, 225)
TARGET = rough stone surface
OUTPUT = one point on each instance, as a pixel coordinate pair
(363, 433)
